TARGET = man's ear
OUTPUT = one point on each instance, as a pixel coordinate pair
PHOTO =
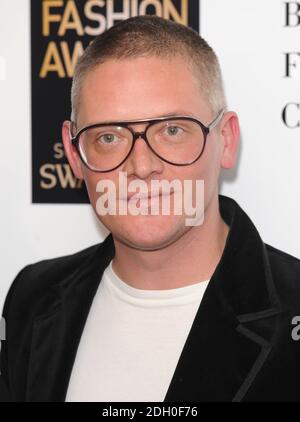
(230, 135)
(70, 150)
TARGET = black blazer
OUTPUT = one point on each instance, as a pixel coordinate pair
(239, 348)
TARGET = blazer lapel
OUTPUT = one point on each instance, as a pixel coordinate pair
(57, 330)
(235, 325)
(223, 353)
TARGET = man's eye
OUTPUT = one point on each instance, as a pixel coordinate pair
(107, 138)
(173, 130)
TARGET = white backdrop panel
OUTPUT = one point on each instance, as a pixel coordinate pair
(249, 39)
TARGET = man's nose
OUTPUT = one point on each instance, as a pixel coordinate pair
(142, 161)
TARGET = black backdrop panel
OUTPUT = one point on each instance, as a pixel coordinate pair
(60, 30)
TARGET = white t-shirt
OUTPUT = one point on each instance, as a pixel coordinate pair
(132, 341)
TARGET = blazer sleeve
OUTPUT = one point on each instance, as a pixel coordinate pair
(4, 388)
(6, 391)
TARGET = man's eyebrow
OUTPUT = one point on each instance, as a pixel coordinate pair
(174, 113)
(171, 114)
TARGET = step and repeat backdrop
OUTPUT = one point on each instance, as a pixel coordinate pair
(44, 208)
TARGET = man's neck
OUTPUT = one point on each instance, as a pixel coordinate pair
(190, 259)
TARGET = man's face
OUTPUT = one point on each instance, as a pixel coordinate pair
(142, 88)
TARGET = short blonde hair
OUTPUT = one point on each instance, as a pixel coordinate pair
(147, 36)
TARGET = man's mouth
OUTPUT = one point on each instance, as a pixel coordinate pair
(145, 196)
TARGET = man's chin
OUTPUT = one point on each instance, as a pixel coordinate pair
(147, 238)
(145, 244)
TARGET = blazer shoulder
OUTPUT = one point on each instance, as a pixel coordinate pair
(283, 260)
(285, 270)
(284, 256)
(35, 279)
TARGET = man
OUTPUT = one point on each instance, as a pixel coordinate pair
(160, 310)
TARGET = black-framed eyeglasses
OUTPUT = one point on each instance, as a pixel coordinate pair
(177, 140)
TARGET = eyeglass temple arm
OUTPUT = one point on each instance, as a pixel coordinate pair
(71, 131)
(216, 120)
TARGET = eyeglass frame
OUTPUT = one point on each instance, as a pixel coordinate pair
(143, 135)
